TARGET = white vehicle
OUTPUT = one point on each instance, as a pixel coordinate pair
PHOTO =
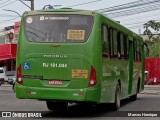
(11, 78)
(3, 76)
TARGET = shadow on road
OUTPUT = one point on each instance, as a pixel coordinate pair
(85, 111)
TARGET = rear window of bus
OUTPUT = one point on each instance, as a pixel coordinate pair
(58, 28)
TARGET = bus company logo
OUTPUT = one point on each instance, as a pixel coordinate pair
(29, 20)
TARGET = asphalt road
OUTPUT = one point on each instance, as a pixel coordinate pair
(144, 104)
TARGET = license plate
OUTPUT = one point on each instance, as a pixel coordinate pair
(55, 82)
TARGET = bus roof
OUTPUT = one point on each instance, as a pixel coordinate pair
(61, 10)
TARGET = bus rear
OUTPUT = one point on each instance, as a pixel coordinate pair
(55, 58)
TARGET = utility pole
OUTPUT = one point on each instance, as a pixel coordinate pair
(32, 4)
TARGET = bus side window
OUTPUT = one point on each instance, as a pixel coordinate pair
(134, 49)
(118, 45)
(105, 47)
(115, 51)
(138, 51)
(122, 45)
(126, 47)
(111, 44)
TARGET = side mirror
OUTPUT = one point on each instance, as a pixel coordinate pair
(146, 72)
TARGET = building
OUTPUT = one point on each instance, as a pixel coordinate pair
(8, 56)
(8, 47)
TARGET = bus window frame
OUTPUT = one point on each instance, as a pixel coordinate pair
(77, 42)
(105, 53)
(137, 50)
(113, 47)
(115, 50)
(115, 55)
(122, 45)
(110, 39)
(126, 47)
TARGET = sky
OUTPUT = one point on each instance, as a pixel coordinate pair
(17, 6)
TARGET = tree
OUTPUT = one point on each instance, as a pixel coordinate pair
(153, 42)
(151, 25)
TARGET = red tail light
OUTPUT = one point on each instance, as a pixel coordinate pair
(19, 75)
(92, 79)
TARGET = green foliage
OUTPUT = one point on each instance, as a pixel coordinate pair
(153, 42)
(155, 49)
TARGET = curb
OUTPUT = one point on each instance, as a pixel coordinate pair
(153, 92)
(151, 89)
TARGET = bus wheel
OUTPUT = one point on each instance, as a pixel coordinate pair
(117, 102)
(56, 105)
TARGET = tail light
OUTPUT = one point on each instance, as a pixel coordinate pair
(19, 75)
(92, 79)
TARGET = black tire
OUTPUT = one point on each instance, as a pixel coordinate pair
(56, 105)
(117, 103)
(14, 87)
(1, 82)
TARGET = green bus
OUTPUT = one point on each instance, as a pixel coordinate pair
(77, 56)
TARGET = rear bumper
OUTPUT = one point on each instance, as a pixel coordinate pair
(79, 95)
